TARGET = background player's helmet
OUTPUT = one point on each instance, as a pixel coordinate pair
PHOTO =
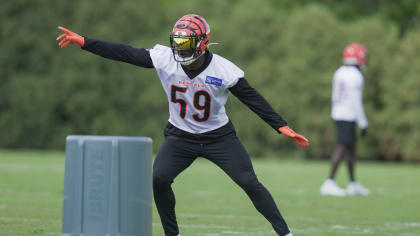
(355, 54)
(189, 38)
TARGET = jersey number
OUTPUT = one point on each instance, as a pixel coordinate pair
(198, 96)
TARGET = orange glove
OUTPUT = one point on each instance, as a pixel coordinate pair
(69, 37)
(299, 139)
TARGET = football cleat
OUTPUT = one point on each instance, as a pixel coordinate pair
(354, 188)
(329, 187)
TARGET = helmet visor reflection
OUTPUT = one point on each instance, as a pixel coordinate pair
(183, 43)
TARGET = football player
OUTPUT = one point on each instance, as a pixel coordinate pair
(347, 110)
(197, 83)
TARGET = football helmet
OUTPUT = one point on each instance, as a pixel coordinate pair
(189, 38)
(355, 54)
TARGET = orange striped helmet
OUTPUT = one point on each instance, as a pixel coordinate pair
(189, 38)
(355, 54)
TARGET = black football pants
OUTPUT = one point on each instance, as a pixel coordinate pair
(177, 153)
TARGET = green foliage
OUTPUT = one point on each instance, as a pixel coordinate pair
(401, 132)
(289, 51)
(404, 14)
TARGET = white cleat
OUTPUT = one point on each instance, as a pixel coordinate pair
(289, 234)
(329, 187)
(354, 188)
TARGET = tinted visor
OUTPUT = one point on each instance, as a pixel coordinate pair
(182, 42)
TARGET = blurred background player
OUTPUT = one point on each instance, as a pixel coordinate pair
(347, 111)
(197, 83)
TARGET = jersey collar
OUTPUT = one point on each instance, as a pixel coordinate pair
(193, 73)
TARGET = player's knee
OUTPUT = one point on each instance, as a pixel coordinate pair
(160, 181)
(249, 183)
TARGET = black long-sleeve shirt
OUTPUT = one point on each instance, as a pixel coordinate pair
(242, 90)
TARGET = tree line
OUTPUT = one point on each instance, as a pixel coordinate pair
(289, 51)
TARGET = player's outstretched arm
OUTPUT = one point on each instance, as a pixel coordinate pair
(69, 37)
(256, 102)
(115, 51)
(298, 138)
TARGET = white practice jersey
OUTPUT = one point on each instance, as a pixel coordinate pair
(195, 105)
(347, 104)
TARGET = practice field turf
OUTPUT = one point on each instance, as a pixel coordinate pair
(209, 203)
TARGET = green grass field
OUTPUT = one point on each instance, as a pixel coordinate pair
(209, 203)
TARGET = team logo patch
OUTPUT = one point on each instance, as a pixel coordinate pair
(213, 81)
